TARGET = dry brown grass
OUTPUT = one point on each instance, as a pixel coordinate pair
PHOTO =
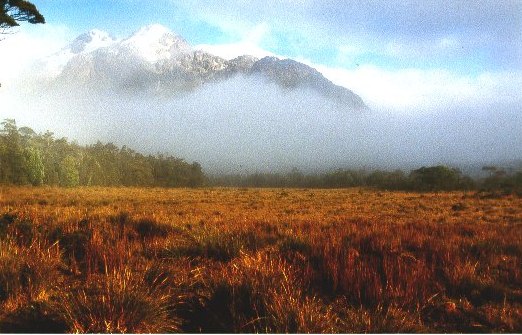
(258, 260)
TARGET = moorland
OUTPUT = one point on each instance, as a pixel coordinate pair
(124, 259)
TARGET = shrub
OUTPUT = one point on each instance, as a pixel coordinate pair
(35, 317)
(6, 220)
(24, 232)
(75, 245)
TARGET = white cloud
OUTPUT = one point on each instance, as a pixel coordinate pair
(418, 90)
(409, 90)
(28, 44)
(401, 90)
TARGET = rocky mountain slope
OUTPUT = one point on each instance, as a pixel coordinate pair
(156, 60)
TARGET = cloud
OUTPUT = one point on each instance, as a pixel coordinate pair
(418, 90)
(404, 90)
(485, 31)
(26, 44)
(244, 124)
(408, 90)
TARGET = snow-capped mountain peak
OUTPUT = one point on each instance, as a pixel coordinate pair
(156, 42)
(156, 60)
(85, 43)
(90, 41)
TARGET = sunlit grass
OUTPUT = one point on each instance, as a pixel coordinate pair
(258, 260)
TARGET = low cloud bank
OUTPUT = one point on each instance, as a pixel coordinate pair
(241, 125)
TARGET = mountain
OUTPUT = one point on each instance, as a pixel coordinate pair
(291, 74)
(90, 41)
(156, 60)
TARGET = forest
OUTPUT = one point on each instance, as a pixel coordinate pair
(41, 159)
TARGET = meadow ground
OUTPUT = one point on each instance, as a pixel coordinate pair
(258, 260)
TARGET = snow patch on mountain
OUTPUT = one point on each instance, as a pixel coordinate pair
(53, 65)
(156, 42)
(91, 41)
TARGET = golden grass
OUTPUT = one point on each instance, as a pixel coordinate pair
(258, 260)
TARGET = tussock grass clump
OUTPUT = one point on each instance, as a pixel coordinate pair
(27, 273)
(369, 269)
(119, 302)
(74, 245)
(6, 220)
(261, 293)
(34, 317)
(29, 279)
(19, 229)
(147, 228)
(214, 244)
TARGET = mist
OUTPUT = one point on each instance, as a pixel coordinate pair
(245, 125)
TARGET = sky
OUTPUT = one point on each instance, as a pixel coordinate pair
(416, 54)
(458, 35)
(449, 68)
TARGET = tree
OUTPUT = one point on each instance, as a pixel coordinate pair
(34, 166)
(14, 11)
(39, 159)
(12, 159)
(69, 174)
(435, 178)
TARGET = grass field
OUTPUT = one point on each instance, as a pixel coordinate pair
(258, 260)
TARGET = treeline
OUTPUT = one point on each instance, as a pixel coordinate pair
(41, 159)
(424, 179)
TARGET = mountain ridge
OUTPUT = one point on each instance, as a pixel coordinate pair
(156, 60)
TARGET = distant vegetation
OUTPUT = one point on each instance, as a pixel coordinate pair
(40, 159)
(28, 158)
(424, 179)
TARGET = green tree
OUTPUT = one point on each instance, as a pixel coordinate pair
(197, 178)
(12, 158)
(34, 166)
(496, 177)
(14, 11)
(50, 157)
(435, 178)
(28, 157)
(69, 174)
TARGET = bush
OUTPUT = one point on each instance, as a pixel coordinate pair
(75, 245)
(35, 317)
(435, 178)
(6, 220)
(24, 232)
